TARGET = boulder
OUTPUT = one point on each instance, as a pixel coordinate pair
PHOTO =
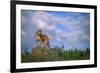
(42, 54)
(38, 51)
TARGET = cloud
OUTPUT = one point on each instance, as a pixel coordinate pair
(70, 28)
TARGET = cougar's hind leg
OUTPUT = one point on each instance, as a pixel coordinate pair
(46, 44)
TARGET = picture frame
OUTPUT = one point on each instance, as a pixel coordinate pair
(17, 7)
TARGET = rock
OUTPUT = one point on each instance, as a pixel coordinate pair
(38, 51)
(42, 54)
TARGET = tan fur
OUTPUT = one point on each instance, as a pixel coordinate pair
(42, 39)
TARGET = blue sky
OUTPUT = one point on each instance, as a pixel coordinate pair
(71, 29)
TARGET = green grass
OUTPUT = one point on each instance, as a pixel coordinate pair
(54, 54)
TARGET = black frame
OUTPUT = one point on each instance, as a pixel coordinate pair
(13, 36)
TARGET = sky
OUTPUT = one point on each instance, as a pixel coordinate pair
(70, 29)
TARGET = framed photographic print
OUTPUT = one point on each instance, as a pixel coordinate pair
(52, 36)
